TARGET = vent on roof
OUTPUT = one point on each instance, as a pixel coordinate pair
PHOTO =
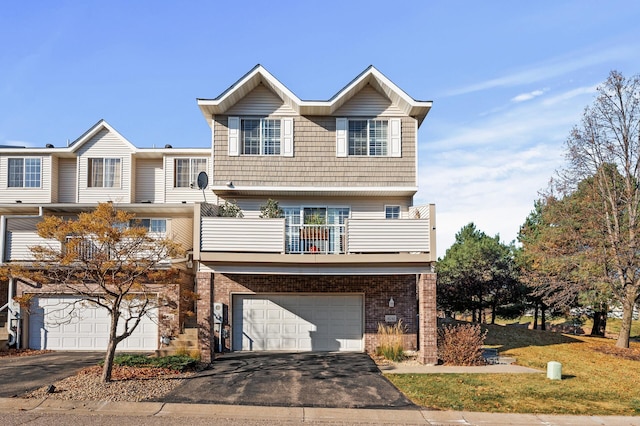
(168, 146)
(49, 145)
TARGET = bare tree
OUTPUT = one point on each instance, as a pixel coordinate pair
(110, 261)
(604, 150)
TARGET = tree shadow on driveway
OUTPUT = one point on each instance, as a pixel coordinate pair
(335, 380)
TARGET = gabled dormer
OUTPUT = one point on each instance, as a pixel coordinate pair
(103, 161)
(363, 140)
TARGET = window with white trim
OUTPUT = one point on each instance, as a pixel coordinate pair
(104, 172)
(260, 136)
(24, 172)
(368, 137)
(392, 212)
(154, 226)
(186, 171)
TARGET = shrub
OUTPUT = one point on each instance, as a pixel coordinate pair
(391, 340)
(172, 362)
(461, 344)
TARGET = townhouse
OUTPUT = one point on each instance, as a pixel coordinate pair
(302, 234)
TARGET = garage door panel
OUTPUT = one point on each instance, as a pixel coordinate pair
(66, 323)
(298, 322)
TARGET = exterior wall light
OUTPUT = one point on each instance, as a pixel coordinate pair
(391, 303)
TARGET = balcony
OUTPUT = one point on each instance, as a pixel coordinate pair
(356, 241)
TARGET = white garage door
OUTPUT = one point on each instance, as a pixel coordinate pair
(61, 323)
(298, 322)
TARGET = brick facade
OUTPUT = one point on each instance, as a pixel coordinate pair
(377, 291)
(428, 319)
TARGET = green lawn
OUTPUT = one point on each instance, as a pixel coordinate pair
(593, 382)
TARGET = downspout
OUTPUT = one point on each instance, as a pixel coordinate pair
(14, 313)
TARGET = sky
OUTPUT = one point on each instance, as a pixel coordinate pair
(508, 79)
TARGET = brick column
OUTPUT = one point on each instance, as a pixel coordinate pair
(205, 321)
(428, 351)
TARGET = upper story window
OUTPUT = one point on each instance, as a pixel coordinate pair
(392, 212)
(24, 172)
(260, 136)
(368, 137)
(104, 172)
(186, 171)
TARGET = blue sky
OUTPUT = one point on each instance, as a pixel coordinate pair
(508, 79)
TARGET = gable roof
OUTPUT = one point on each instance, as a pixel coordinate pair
(370, 76)
(94, 130)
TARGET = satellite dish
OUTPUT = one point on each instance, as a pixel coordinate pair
(203, 180)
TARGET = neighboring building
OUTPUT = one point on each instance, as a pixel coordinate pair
(100, 166)
(350, 251)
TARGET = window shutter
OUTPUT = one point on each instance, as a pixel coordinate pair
(234, 136)
(287, 137)
(341, 137)
(395, 137)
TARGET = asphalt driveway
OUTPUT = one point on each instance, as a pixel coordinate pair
(19, 375)
(336, 380)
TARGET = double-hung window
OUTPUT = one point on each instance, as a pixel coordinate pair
(187, 170)
(368, 137)
(24, 172)
(104, 172)
(153, 226)
(260, 136)
(360, 137)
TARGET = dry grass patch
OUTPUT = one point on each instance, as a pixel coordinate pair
(594, 382)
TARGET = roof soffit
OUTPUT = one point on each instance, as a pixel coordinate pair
(371, 76)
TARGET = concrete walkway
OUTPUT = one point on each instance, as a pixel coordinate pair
(290, 415)
(440, 369)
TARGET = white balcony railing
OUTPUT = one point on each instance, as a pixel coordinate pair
(220, 234)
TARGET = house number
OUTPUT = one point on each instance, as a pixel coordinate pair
(390, 318)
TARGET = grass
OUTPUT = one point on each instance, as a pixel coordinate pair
(593, 382)
(172, 362)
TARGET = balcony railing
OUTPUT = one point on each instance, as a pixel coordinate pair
(249, 235)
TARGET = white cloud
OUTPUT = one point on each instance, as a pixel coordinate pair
(553, 68)
(528, 96)
(491, 170)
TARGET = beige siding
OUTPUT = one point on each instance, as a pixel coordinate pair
(178, 195)
(26, 195)
(105, 145)
(260, 102)
(361, 207)
(67, 180)
(384, 236)
(225, 234)
(149, 181)
(180, 230)
(314, 162)
(22, 234)
(53, 176)
(369, 103)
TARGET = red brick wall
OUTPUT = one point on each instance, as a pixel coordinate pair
(428, 319)
(377, 291)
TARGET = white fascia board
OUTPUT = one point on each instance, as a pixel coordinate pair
(250, 81)
(102, 124)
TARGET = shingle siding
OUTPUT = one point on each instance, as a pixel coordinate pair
(314, 162)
